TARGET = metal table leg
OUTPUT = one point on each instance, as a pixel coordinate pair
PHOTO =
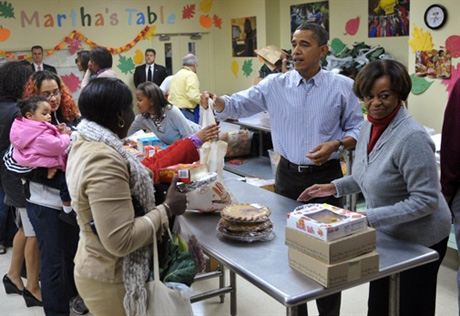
(233, 293)
(292, 311)
(394, 295)
(221, 280)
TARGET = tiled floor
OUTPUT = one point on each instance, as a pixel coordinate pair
(252, 301)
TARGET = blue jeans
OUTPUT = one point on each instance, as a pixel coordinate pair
(57, 242)
(3, 217)
(192, 115)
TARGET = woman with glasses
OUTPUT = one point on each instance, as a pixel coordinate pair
(161, 117)
(57, 239)
(396, 171)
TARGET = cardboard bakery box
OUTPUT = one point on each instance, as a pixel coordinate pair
(332, 252)
(336, 274)
(325, 221)
(186, 172)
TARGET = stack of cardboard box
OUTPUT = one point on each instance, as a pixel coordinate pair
(331, 245)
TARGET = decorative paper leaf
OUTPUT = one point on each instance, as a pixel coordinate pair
(420, 40)
(205, 21)
(126, 65)
(337, 45)
(171, 19)
(453, 45)
(6, 10)
(4, 34)
(151, 32)
(217, 21)
(188, 11)
(205, 5)
(454, 75)
(352, 26)
(247, 67)
(235, 67)
(419, 84)
(71, 81)
(138, 57)
(74, 45)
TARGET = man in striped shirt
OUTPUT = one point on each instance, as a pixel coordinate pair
(314, 116)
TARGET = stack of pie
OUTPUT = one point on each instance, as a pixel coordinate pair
(246, 222)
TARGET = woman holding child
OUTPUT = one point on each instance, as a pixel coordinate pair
(57, 239)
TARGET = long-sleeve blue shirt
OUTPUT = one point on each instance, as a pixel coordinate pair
(303, 114)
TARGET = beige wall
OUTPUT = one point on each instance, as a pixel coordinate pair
(273, 21)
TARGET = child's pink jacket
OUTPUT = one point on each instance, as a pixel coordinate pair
(38, 144)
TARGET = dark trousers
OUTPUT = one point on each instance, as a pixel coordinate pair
(4, 210)
(417, 294)
(57, 241)
(290, 183)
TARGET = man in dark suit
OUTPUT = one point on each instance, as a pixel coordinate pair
(37, 56)
(149, 71)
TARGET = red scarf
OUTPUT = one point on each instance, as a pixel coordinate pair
(379, 126)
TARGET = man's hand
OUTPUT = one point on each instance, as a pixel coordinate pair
(204, 98)
(321, 153)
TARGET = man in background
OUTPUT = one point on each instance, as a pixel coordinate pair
(149, 71)
(37, 56)
(184, 91)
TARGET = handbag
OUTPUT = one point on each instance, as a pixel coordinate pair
(161, 300)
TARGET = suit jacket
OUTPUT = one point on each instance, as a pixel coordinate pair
(46, 67)
(159, 74)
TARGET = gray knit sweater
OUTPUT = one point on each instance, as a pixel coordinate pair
(173, 127)
(400, 183)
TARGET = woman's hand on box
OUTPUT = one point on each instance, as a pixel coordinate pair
(317, 190)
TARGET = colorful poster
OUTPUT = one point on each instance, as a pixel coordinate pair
(388, 18)
(313, 12)
(433, 63)
(244, 37)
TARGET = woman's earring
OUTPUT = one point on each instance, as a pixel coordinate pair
(121, 123)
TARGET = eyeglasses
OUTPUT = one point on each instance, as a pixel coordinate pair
(50, 95)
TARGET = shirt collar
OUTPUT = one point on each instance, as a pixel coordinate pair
(147, 66)
(315, 80)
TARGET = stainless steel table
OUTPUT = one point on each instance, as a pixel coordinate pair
(265, 264)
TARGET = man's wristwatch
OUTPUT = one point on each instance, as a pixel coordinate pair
(341, 148)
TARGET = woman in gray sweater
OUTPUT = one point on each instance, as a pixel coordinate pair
(395, 169)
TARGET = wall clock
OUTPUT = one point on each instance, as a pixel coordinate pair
(435, 16)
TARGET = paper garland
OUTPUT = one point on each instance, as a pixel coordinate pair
(147, 33)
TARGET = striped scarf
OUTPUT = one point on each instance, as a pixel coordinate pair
(136, 264)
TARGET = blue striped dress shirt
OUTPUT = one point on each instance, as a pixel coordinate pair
(303, 114)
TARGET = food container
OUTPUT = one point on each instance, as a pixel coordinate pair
(274, 160)
(185, 172)
(325, 222)
(239, 143)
